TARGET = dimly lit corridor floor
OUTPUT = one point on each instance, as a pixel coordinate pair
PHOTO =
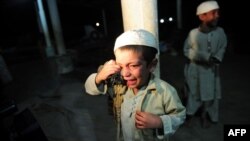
(66, 113)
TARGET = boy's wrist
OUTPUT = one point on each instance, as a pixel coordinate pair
(98, 81)
(159, 123)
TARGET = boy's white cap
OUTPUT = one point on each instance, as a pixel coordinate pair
(207, 6)
(136, 37)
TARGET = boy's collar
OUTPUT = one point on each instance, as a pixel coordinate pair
(152, 84)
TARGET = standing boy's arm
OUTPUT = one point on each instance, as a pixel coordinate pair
(222, 44)
(192, 48)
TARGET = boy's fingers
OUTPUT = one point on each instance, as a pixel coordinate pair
(110, 62)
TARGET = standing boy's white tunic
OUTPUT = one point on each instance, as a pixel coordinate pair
(203, 78)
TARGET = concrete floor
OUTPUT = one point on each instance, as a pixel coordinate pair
(66, 113)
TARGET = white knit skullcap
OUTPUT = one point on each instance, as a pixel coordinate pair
(136, 37)
(207, 6)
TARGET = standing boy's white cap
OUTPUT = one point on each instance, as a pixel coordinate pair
(136, 37)
(207, 6)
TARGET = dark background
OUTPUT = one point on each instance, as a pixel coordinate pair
(38, 84)
(19, 26)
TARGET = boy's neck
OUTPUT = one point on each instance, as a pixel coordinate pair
(206, 29)
(136, 90)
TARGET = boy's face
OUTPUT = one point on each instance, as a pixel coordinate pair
(210, 18)
(134, 68)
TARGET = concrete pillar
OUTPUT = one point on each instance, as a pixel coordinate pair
(50, 51)
(179, 13)
(141, 14)
(104, 23)
(63, 59)
(56, 25)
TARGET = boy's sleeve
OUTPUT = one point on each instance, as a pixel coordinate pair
(222, 44)
(191, 48)
(91, 87)
(172, 122)
(175, 113)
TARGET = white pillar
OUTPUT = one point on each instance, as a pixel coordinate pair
(56, 25)
(141, 14)
(50, 51)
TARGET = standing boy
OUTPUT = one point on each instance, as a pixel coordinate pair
(204, 48)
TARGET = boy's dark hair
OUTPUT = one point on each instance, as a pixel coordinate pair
(148, 53)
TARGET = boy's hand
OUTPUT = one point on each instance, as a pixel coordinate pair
(213, 60)
(109, 68)
(147, 120)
